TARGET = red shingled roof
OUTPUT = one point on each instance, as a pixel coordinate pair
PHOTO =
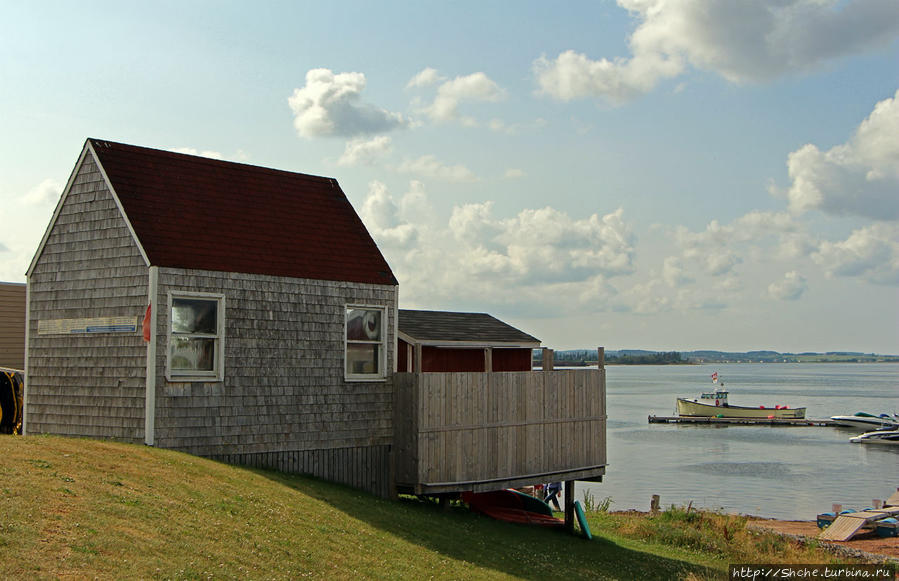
(196, 212)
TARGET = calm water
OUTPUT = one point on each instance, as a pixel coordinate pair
(780, 472)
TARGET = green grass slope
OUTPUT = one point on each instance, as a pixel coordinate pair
(75, 508)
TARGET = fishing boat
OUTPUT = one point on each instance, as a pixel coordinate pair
(887, 436)
(714, 404)
(866, 421)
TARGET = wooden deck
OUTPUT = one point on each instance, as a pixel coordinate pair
(743, 421)
(486, 431)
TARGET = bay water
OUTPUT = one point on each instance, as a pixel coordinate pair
(772, 471)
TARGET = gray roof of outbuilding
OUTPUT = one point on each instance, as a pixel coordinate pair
(435, 326)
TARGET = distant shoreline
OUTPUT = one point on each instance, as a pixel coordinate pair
(584, 357)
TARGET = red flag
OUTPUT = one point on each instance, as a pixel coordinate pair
(146, 324)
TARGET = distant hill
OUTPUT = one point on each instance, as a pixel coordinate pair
(642, 356)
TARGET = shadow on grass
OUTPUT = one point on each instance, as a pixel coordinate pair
(529, 552)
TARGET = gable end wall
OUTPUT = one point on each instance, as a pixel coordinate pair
(87, 384)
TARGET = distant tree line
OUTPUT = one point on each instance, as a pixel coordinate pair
(582, 357)
(666, 358)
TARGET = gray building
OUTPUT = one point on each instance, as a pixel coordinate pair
(226, 310)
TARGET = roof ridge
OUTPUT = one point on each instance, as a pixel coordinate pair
(204, 159)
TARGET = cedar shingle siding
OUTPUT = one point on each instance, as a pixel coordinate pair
(282, 403)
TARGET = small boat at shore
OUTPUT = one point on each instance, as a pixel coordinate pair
(886, 436)
(512, 506)
(866, 421)
(714, 404)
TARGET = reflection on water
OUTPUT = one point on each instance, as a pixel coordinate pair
(782, 472)
(743, 469)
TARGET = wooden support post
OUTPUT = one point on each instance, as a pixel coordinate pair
(418, 361)
(601, 361)
(410, 352)
(654, 504)
(548, 356)
(569, 506)
(488, 359)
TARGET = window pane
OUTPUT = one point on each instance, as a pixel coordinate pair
(194, 316)
(193, 354)
(362, 359)
(363, 325)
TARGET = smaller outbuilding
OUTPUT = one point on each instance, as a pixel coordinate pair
(434, 341)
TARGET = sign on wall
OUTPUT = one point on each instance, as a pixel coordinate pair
(83, 326)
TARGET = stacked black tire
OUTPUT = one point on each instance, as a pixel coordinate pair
(11, 394)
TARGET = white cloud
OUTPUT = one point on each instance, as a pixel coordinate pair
(194, 151)
(871, 252)
(45, 192)
(718, 249)
(383, 218)
(673, 272)
(430, 166)
(573, 75)
(860, 177)
(331, 104)
(536, 257)
(365, 151)
(790, 288)
(741, 41)
(644, 299)
(544, 244)
(513, 173)
(476, 87)
(425, 78)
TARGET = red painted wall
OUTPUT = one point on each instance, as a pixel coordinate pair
(443, 359)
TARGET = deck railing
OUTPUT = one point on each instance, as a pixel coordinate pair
(484, 431)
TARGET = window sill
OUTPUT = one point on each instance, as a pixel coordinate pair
(364, 379)
(193, 378)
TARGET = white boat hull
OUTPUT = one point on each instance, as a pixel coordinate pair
(878, 437)
(864, 422)
(694, 408)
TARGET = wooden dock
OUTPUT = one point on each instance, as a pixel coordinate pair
(740, 421)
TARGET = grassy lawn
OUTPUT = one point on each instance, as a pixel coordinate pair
(77, 508)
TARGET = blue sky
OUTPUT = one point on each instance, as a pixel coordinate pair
(643, 174)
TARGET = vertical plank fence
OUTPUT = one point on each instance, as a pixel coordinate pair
(483, 431)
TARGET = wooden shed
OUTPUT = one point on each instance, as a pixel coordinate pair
(445, 341)
(245, 314)
(226, 310)
(12, 325)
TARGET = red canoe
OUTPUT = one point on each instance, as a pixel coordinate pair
(512, 506)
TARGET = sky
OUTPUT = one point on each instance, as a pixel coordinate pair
(668, 175)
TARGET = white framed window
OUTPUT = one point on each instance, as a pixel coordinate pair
(366, 342)
(196, 337)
